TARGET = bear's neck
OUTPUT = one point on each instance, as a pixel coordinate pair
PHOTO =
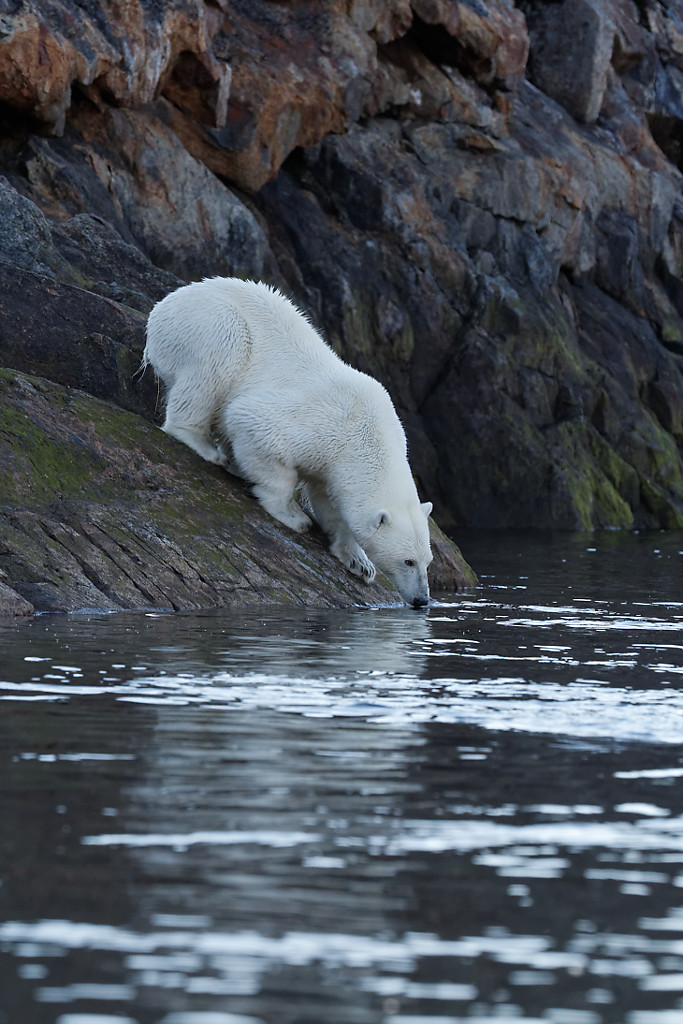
(366, 483)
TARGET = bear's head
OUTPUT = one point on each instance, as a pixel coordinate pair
(398, 544)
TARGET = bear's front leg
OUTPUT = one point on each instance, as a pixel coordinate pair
(351, 554)
(342, 542)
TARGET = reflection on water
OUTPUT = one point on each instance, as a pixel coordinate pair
(372, 817)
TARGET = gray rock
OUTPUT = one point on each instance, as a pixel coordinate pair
(571, 47)
(133, 173)
(84, 250)
(75, 337)
(618, 268)
(109, 266)
(25, 236)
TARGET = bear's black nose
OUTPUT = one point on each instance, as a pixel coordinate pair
(420, 602)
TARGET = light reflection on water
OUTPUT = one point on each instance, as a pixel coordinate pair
(384, 816)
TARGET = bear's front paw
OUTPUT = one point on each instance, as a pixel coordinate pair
(355, 560)
(364, 568)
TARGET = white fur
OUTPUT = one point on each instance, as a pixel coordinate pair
(240, 361)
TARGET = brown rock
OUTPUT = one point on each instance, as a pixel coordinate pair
(39, 63)
(296, 77)
(47, 48)
(383, 19)
(492, 36)
(410, 85)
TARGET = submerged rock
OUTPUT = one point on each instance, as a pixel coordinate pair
(12, 604)
(99, 509)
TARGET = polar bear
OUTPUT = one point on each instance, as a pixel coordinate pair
(241, 362)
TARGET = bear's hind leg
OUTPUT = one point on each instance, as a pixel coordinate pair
(229, 463)
(277, 497)
(273, 484)
(197, 441)
(342, 542)
(188, 419)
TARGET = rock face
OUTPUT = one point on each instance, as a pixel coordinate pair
(478, 203)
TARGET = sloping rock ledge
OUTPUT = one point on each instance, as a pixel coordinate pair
(100, 510)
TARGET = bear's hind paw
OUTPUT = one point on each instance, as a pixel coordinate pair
(302, 524)
(295, 519)
(219, 459)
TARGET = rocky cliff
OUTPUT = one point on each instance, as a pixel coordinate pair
(478, 201)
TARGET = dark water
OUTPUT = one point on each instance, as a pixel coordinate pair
(372, 817)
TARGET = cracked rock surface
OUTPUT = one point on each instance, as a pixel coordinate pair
(101, 510)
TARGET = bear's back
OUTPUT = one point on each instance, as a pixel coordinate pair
(277, 330)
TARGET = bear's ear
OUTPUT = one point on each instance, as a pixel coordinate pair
(427, 508)
(381, 518)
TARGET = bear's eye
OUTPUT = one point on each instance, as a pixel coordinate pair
(410, 562)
